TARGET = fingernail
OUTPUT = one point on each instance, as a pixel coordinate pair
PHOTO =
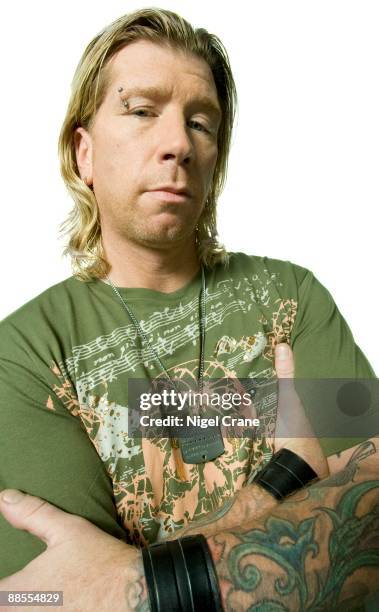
(12, 496)
(282, 351)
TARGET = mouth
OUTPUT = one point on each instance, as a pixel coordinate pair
(170, 194)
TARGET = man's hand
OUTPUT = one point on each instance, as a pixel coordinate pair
(94, 570)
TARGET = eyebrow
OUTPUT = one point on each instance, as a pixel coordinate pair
(159, 93)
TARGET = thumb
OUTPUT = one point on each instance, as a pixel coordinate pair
(292, 421)
(284, 362)
(287, 397)
(33, 514)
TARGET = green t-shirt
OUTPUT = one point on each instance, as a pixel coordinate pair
(65, 361)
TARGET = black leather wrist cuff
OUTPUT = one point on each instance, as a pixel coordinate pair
(181, 577)
(284, 474)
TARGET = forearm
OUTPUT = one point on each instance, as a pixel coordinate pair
(250, 503)
(318, 548)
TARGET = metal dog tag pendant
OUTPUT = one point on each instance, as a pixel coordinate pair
(202, 447)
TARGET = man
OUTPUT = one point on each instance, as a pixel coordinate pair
(144, 151)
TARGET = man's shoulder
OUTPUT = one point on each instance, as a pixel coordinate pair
(261, 266)
(52, 302)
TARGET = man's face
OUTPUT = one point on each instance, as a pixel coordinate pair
(165, 138)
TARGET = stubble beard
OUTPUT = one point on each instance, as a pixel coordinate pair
(159, 235)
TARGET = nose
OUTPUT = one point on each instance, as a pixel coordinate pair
(175, 144)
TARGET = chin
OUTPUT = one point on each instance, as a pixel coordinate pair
(166, 235)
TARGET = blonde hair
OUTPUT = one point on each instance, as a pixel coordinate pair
(87, 93)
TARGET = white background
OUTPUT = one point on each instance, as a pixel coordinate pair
(303, 180)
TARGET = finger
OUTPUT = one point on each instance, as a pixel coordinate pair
(288, 401)
(285, 371)
(35, 515)
(293, 429)
(284, 361)
(291, 418)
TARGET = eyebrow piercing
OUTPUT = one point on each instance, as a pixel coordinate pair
(125, 103)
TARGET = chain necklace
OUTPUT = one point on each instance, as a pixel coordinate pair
(195, 448)
(153, 353)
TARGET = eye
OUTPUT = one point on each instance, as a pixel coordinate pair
(141, 112)
(198, 126)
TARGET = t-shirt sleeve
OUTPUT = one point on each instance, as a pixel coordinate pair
(324, 348)
(44, 450)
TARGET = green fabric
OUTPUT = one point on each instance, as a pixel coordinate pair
(65, 360)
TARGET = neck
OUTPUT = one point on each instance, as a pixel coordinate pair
(164, 269)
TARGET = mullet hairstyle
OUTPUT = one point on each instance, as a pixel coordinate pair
(88, 90)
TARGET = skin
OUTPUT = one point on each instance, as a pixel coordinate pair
(163, 137)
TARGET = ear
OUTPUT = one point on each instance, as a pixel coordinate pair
(83, 151)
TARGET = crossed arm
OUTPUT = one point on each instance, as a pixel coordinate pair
(314, 551)
(317, 549)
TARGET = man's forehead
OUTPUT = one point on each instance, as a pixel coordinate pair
(140, 60)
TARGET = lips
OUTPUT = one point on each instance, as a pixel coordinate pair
(176, 189)
(170, 193)
(169, 196)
